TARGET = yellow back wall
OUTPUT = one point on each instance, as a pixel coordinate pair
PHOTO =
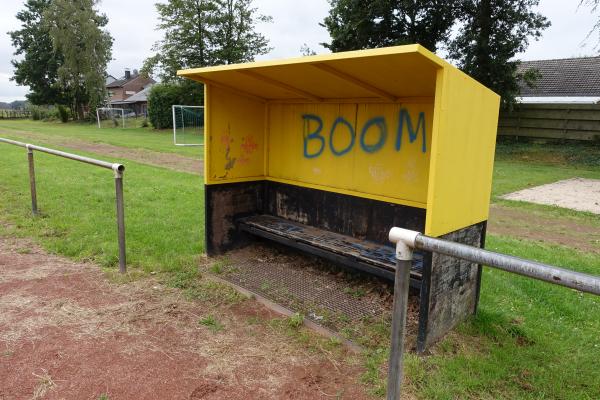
(373, 149)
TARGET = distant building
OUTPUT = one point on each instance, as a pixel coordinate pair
(109, 79)
(566, 80)
(128, 85)
(121, 91)
(138, 103)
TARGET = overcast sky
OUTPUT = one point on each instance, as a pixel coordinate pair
(132, 22)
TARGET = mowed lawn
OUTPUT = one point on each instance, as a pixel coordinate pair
(163, 208)
(137, 138)
(530, 340)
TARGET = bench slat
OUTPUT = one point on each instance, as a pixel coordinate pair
(363, 254)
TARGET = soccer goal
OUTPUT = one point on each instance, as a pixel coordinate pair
(110, 117)
(188, 125)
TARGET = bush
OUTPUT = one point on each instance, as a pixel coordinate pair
(63, 113)
(37, 113)
(164, 95)
(50, 113)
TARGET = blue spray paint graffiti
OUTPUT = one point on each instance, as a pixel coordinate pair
(316, 134)
(342, 120)
(412, 133)
(379, 123)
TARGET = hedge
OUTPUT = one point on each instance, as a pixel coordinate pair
(163, 95)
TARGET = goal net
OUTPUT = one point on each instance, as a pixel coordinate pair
(188, 125)
(110, 117)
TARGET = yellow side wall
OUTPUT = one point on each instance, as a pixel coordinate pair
(234, 145)
(464, 138)
(302, 149)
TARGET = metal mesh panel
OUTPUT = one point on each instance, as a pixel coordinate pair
(324, 293)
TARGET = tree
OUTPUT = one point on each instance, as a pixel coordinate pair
(364, 24)
(187, 42)
(594, 5)
(307, 51)
(201, 33)
(75, 28)
(235, 37)
(38, 67)
(492, 33)
(162, 96)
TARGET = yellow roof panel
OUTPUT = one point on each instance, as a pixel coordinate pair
(389, 73)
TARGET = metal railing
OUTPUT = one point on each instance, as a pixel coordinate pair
(407, 240)
(118, 170)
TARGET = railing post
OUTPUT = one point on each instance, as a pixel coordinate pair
(401, 287)
(120, 219)
(34, 207)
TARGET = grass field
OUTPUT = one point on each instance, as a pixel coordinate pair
(530, 340)
(138, 138)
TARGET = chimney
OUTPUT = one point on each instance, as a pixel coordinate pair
(127, 74)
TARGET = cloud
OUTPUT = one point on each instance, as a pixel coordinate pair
(9, 91)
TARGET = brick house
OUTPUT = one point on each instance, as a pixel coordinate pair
(127, 86)
(138, 103)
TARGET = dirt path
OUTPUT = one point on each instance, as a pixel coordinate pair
(68, 333)
(532, 225)
(166, 160)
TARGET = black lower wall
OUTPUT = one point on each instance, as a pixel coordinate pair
(449, 288)
(349, 215)
(224, 205)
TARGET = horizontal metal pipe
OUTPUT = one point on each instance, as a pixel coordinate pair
(118, 168)
(14, 142)
(559, 276)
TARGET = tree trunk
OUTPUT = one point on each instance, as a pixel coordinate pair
(80, 112)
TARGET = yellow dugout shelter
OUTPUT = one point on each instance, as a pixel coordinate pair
(327, 153)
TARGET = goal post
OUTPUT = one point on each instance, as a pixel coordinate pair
(109, 117)
(188, 125)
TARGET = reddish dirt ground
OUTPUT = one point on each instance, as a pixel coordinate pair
(67, 332)
(578, 234)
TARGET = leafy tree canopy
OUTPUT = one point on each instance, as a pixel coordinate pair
(75, 28)
(205, 32)
(38, 66)
(491, 34)
(363, 24)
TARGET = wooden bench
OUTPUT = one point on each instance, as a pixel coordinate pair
(362, 255)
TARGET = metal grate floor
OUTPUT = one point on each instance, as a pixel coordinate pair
(326, 294)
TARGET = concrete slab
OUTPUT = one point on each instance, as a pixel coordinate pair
(577, 194)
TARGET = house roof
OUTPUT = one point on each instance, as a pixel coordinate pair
(122, 81)
(389, 73)
(139, 97)
(119, 82)
(566, 77)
